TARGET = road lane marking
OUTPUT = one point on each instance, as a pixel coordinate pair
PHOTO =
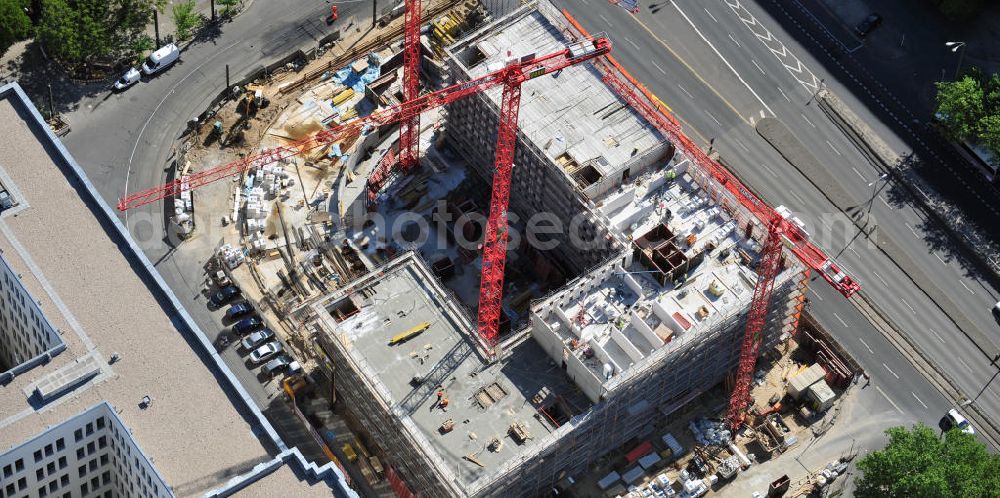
(685, 91)
(710, 15)
(818, 296)
(796, 196)
(807, 120)
(966, 286)
(880, 278)
(834, 148)
(730, 66)
(769, 170)
(938, 336)
(758, 66)
(870, 350)
(918, 400)
(660, 68)
(911, 229)
(741, 144)
(890, 370)
(964, 364)
(908, 305)
(632, 43)
(841, 320)
(694, 73)
(713, 118)
(936, 255)
(792, 64)
(859, 173)
(855, 252)
(886, 396)
(733, 38)
(605, 20)
(885, 202)
(783, 94)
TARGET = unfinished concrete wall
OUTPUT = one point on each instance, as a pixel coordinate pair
(636, 400)
(380, 425)
(537, 185)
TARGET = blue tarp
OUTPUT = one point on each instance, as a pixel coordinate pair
(347, 77)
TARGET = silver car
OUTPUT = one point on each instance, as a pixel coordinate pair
(266, 351)
(283, 362)
(256, 339)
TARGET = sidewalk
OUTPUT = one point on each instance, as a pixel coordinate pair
(168, 30)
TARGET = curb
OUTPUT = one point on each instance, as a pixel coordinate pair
(911, 351)
(939, 380)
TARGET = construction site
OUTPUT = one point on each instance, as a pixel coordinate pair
(505, 266)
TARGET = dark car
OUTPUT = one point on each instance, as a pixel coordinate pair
(225, 294)
(247, 325)
(868, 25)
(238, 310)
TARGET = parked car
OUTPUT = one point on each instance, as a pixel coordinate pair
(128, 79)
(225, 294)
(956, 419)
(247, 325)
(281, 363)
(239, 309)
(162, 58)
(256, 339)
(868, 25)
(266, 351)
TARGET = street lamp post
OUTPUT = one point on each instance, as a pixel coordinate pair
(957, 46)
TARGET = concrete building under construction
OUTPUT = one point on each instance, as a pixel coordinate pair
(651, 317)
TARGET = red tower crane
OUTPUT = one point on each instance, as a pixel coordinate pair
(510, 77)
(409, 129)
(781, 232)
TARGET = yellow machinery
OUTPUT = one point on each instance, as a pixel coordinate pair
(349, 452)
(409, 334)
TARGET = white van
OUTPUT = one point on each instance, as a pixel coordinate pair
(162, 58)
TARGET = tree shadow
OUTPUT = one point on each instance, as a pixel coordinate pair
(35, 73)
(209, 32)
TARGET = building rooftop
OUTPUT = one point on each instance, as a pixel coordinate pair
(86, 282)
(688, 267)
(571, 116)
(484, 399)
(284, 481)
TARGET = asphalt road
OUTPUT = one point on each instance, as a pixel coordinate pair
(724, 66)
(124, 141)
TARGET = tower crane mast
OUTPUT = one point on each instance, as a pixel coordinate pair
(510, 77)
(781, 232)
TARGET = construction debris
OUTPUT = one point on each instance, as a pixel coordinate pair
(710, 432)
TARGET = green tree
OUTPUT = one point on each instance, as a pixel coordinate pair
(917, 463)
(958, 9)
(86, 31)
(14, 23)
(228, 5)
(960, 106)
(185, 19)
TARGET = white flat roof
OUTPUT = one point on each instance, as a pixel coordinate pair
(571, 111)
